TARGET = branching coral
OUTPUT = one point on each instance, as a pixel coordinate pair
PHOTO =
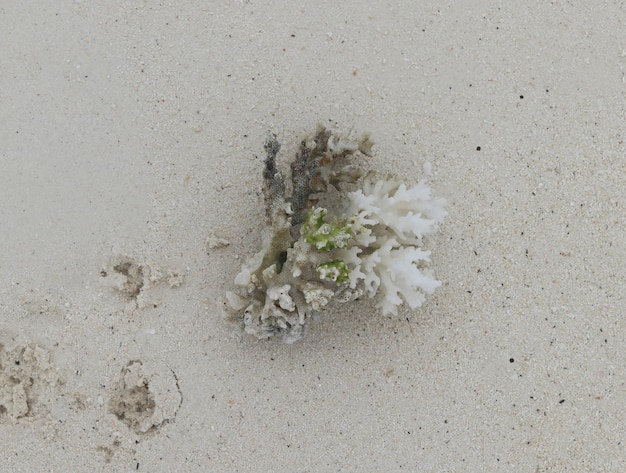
(389, 224)
(312, 256)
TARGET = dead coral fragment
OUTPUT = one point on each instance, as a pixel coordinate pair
(284, 285)
(312, 256)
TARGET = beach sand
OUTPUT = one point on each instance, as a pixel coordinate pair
(131, 156)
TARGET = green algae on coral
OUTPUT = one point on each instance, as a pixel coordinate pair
(323, 235)
(336, 271)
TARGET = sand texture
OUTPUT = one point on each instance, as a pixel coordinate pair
(131, 154)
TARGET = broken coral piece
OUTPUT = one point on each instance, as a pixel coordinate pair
(370, 242)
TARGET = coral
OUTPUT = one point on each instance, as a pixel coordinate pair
(390, 223)
(323, 235)
(312, 255)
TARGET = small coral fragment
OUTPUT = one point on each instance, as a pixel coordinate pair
(336, 271)
(391, 222)
(313, 255)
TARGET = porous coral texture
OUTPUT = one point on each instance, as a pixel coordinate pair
(314, 255)
(294, 276)
(389, 225)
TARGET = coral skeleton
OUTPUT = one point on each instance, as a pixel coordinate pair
(364, 241)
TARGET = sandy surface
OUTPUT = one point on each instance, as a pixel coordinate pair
(132, 133)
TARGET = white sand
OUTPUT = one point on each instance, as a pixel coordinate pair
(132, 131)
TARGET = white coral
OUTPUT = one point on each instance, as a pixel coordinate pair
(281, 295)
(390, 222)
(410, 213)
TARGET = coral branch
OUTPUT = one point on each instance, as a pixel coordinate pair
(312, 255)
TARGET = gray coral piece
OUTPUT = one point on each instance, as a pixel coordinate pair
(280, 289)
